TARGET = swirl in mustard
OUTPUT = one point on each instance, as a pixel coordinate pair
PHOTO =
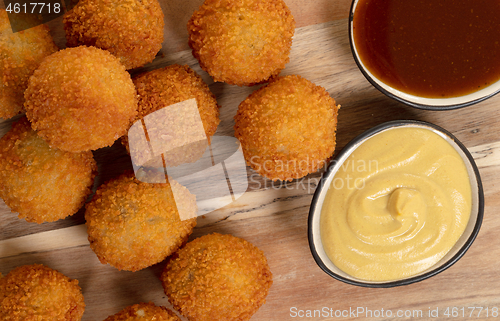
(396, 206)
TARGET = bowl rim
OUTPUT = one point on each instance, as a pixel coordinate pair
(389, 94)
(348, 147)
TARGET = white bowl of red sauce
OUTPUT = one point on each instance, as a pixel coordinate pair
(435, 55)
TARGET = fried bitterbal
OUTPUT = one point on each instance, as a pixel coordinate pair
(133, 225)
(132, 30)
(81, 99)
(242, 42)
(170, 85)
(36, 292)
(217, 277)
(42, 184)
(143, 312)
(20, 54)
(287, 128)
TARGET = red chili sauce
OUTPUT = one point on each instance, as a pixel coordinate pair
(430, 48)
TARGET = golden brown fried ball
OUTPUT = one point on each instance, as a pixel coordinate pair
(80, 99)
(242, 42)
(133, 225)
(20, 54)
(170, 85)
(143, 312)
(42, 184)
(217, 277)
(132, 30)
(173, 84)
(36, 292)
(287, 128)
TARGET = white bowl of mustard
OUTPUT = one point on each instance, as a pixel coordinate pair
(400, 203)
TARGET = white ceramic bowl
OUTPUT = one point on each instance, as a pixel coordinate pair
(412, 100)
(458, 250)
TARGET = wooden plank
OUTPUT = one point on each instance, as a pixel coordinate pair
(321, 54)
(486, 155)
(298, 282)
(260, 202)
(46, 241)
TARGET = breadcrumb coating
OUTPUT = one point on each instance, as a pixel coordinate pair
(163, 87)
(242, 42)
(132, 30)
(133, 225)
(80, 99)
(20, 54)
(36, 292)
(287, 128)
(217, 277)
(170, 85)
(144, 312)
(42, 184)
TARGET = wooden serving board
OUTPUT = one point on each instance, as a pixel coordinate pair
(273, 216)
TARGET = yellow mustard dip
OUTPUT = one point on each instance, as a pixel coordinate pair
(396, 206)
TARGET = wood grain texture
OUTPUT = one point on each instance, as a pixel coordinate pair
(257, 202)
(273, 216)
